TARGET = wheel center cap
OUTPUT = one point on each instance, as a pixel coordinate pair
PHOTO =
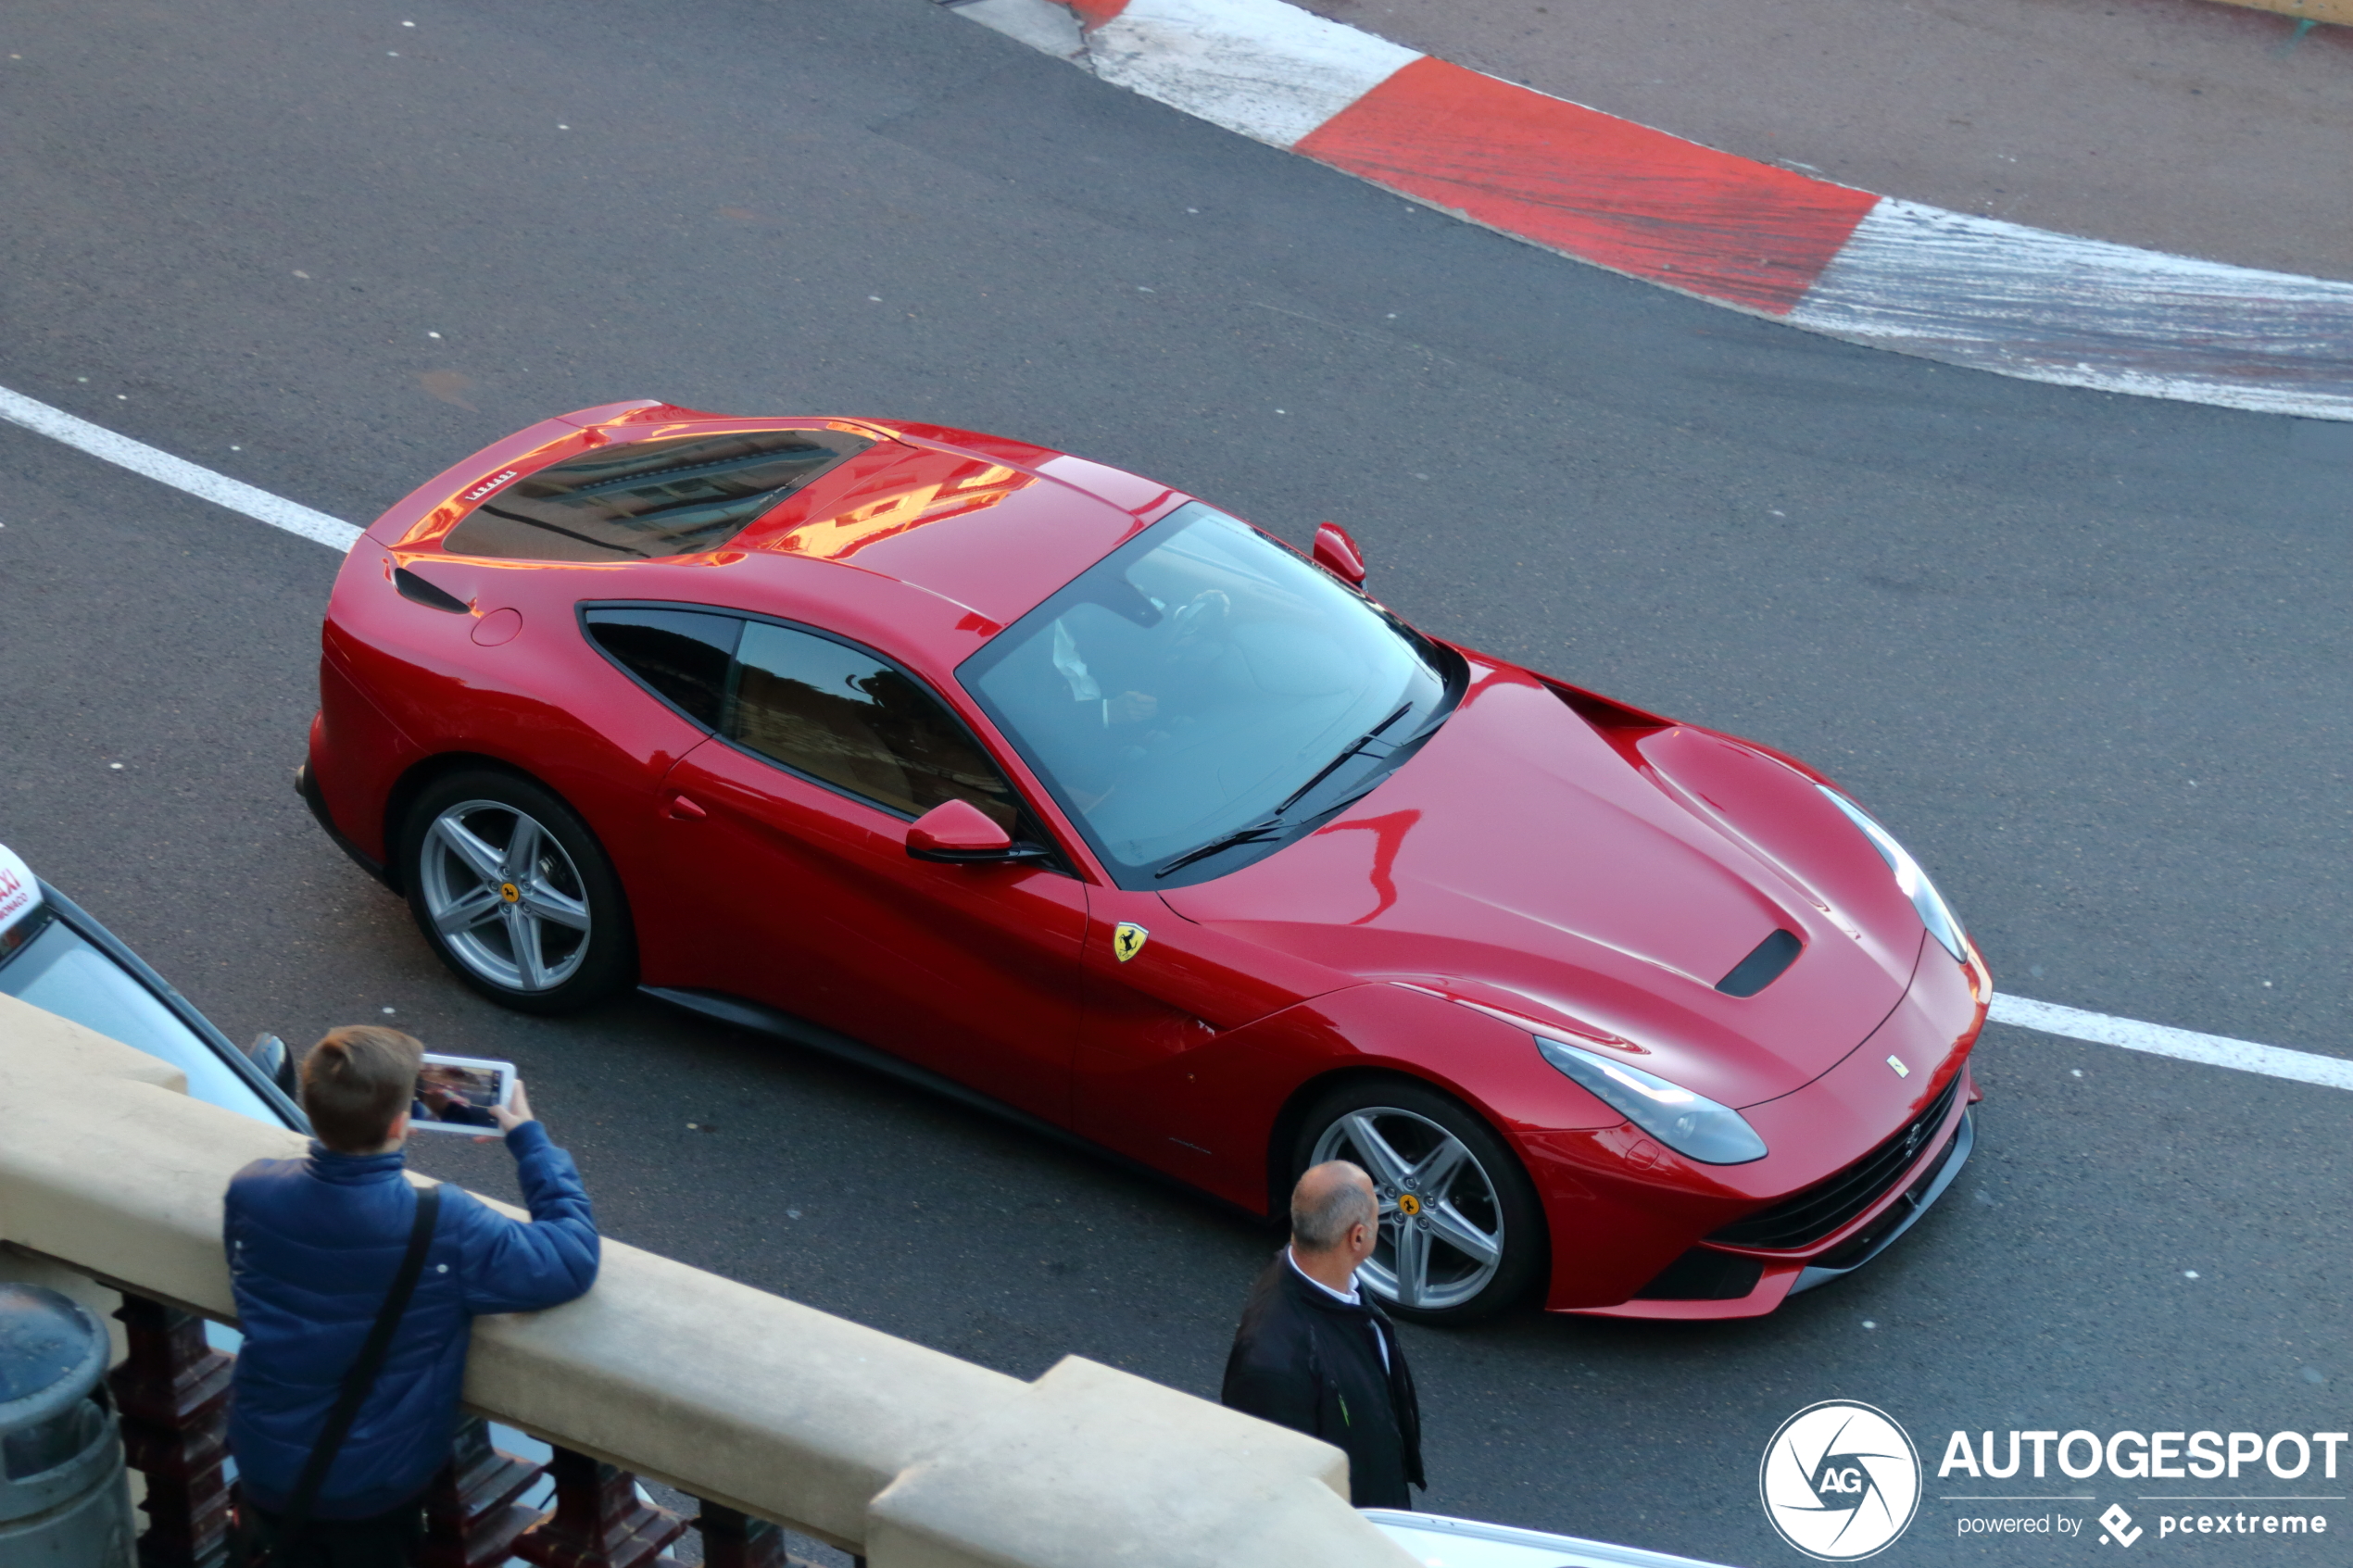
(1408, 1205)
(511, 893)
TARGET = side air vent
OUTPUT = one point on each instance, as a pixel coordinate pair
(413, 587)
(1704, 1275)
(1762, 967)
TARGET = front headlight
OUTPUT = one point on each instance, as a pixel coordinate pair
(1691, 1124)
(1935, 913)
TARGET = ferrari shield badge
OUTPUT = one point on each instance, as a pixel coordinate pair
(1127, 939)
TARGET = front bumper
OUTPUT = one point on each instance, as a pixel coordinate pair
(1772, 1275)
(1899, 1217)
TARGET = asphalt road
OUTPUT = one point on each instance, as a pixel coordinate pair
(2177, 125)
(2085, 654)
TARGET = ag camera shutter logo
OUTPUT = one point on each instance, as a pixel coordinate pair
(1839, 1481)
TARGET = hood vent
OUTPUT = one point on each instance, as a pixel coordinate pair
(1762, 967)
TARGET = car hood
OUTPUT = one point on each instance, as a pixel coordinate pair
(1522, 863)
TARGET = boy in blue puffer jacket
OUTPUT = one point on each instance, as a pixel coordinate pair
(313, 1246)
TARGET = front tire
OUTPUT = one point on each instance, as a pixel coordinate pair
(1462, 1232)
(514, 894)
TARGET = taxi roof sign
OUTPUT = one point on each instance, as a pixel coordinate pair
(19, 891)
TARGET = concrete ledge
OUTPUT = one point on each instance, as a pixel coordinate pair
(727, 1392)
(1209, 1488)
(63, 1046)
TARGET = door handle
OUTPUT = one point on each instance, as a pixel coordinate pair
(685, 811)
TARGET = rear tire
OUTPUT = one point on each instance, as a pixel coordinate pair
(1462, 1231)
(514, 894)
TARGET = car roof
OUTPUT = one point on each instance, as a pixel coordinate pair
(994, 531)
(990, 525)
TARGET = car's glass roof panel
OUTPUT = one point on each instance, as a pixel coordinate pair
(924, 487)
(985, 534)
(651, 499)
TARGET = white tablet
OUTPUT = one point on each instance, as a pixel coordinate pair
(455, 1094)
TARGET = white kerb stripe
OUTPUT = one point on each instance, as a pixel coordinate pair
(181, 474)
(1271, 71)
(2215, 1050)
(2054, 307)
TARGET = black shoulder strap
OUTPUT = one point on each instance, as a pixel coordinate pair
(363, 1376)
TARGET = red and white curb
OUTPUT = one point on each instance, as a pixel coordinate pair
(1870, 269)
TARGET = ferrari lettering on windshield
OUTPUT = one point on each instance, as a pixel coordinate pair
(487, 486)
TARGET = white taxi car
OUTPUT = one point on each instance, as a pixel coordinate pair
(56, 957)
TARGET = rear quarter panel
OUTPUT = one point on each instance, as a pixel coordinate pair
(544, 703)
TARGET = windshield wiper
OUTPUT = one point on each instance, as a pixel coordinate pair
(1250, 834)
(1272, 822)
(1329, 768)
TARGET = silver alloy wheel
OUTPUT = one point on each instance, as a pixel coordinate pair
(1442, 1221)
(504, 895)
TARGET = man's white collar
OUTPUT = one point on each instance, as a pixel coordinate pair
(1349, 1295)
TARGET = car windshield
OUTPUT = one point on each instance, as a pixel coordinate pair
(60, 972)
(1202, 695)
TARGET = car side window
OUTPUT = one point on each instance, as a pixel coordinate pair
(842, 716)
(683, 654)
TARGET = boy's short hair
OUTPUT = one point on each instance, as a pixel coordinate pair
(355, 1081)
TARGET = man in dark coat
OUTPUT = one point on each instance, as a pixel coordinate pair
(313, 1246)
(1314, 1355)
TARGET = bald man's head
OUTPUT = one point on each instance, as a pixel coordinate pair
(1330, 1200)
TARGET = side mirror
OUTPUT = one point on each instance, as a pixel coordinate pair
(958, 832)
(1338, 554)
(268, 1053)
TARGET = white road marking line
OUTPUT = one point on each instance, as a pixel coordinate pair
(181, 474)
(2215, 1050)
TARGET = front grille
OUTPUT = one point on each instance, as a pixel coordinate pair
(1834, 1201)
(1864, 1243)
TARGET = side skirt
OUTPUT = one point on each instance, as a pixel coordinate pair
(761, 1019)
